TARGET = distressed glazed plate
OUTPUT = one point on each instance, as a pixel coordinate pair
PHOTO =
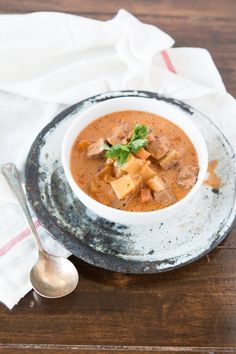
(197, 229)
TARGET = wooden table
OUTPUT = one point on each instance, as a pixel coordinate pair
(190, 309)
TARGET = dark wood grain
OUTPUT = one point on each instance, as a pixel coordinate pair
(57, 349)
(170, 8)
(190, 309)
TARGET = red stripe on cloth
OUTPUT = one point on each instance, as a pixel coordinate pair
(10, 244)
(168, 62)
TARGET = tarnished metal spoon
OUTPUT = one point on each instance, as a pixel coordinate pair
(51, 276)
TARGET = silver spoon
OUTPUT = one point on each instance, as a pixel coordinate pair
(51, 276)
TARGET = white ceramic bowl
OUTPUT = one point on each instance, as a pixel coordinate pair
(162, 108)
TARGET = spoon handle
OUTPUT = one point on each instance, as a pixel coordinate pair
(11, 174)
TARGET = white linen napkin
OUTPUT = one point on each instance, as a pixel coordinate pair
(51, 60)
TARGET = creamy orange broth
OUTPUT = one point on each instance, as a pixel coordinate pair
(84, 169)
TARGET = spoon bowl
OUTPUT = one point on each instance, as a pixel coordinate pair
(53, 276)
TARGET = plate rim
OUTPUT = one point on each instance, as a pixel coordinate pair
(87, 253)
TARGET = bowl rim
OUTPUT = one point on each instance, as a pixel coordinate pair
(118, 212)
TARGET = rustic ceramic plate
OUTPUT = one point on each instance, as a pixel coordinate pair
(162, 246)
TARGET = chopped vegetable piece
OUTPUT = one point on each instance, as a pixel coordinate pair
(118, 171)
(105, 172)
(133, 165)
(146, 172)
(123, 186)
(143, 154)
(137, 179)
(170, 160)
(187, 176)
(146, 195)
(164, 198)
(159, 147)
(156, 184)
(109, 161)
(96, 149)
(83, 145)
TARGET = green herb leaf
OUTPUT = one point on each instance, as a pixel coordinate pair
(116, 150)
(121, 152)
(140, 132)
(123, 158)
(136, 145)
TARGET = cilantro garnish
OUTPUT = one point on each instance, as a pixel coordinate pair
(121, 152)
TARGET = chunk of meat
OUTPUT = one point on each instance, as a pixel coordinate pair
(142, 154)
(133, 165)
(122, 130)
(187, 176)
(146, 195)
(159, 147)
(96, 149)
(123, 186)
(83, 145)
(119, 135)
(114, 139)
(165, 197)
(170, 160)
(151, 137)
(156, 184)
(146, 172)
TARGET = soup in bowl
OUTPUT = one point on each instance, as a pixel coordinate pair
(134, 160)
